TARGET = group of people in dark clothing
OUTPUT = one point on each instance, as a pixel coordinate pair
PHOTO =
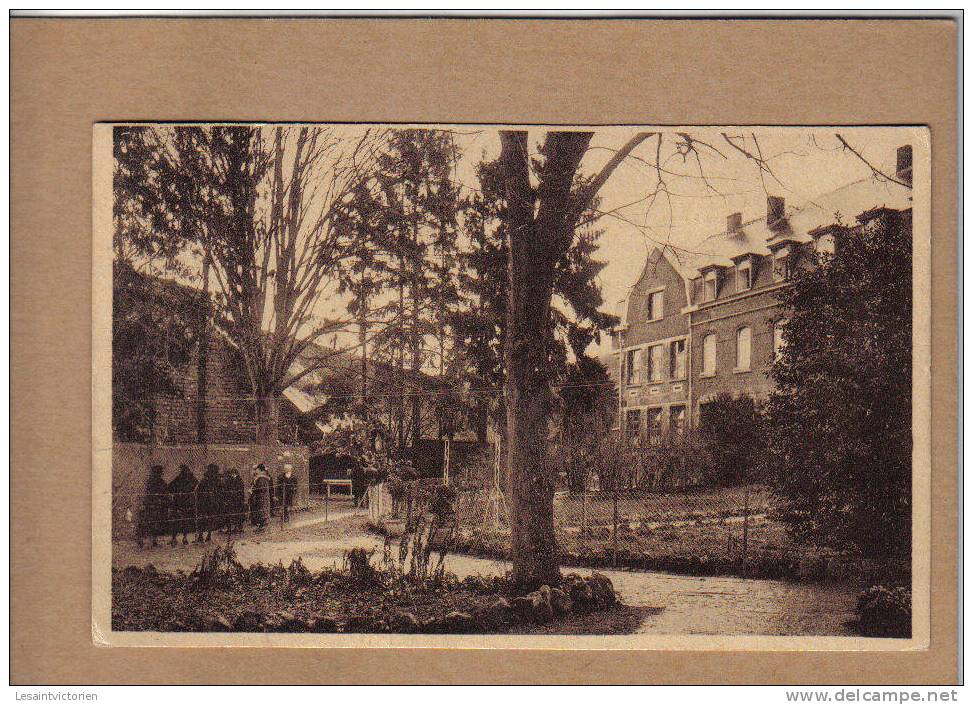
(218, 502)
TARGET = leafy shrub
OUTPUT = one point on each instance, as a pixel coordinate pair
(731, 434)
(216, 568)
(885, 612)
(358, 563)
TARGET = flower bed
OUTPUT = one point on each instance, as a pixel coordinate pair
(688, 550)
(221, 595)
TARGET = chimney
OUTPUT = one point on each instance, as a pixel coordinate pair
(775, 210)
(903, 163)
(734, 223)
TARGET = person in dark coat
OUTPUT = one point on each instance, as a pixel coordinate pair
(155, 508)
(274, 504)
(286, 491)
(182, 514)
(208, 509)
(234, 502)
(260, 495)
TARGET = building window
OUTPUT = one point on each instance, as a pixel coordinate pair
(744, 276)
(825, 244)
(633, 423)
(677, 359)
(655, 363)
(779, 337)
(655, 306)
(709, 354)
(677, 419)
(782, 264)
(654, 425)
(709, 286)
(633, 359)
(743, 349)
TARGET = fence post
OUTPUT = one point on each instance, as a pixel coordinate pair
(584, 514)
(615, 528)
(746, 522)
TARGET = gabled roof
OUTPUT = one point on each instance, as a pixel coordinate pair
(844, 204)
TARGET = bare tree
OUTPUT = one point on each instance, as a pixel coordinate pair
(259, 206)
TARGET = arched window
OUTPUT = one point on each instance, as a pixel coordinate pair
(743, 349)
(709, 354)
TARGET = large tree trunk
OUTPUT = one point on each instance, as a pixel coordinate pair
(540, 224)
(527, 393)
(267, 419)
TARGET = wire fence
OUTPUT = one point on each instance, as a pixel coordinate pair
(132, 493)
(715, 531)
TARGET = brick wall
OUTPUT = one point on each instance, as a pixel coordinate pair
(658, 273)
(667, 392)
(759, 312)
(229, 404)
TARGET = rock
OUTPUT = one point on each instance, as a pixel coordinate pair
(248, 621)
(273, 624)
(288, 622)
(561, 603)
(431, 626)
(541, 610)
(458, 623)
(602, 590)
(220, 623)
(324, 625)
(405, 623)
(522, 608)
(579, 590)
(497, 615)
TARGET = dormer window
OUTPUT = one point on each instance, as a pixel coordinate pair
(824, 245)
(782, 264)
(744, 275)
(825, 239)
(710, 286)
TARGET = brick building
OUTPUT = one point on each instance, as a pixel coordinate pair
(154, 314)
(696, 326)
(229, 406)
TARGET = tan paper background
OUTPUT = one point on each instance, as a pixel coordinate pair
(68, 74)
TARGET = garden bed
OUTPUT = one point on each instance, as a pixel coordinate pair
(698, 549)
(221, 595)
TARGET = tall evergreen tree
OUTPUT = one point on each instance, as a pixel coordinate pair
(402, 277)
(840, 420)
(480, 323)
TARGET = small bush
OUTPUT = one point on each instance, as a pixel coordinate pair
(885, 612)
(216, 568)
(358, 564)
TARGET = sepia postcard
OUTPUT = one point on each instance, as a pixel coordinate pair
(511, 386)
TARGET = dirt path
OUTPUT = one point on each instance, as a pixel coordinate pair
(674, 604)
